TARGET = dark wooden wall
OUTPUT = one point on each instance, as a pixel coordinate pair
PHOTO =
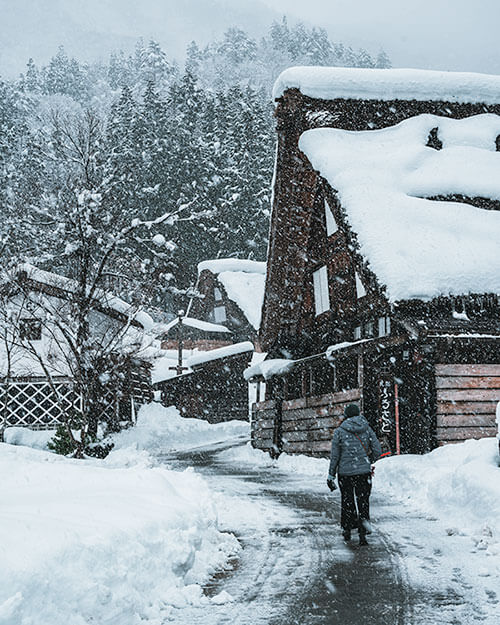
(288, 323)
(467, 396)
(216, 391)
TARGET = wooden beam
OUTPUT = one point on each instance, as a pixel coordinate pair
(311, 424)
(464, 433)
(312, 447)
(468, 370)
(466, 407)
(460, 382)
(312, 436)
(465, 421)
(468, 395)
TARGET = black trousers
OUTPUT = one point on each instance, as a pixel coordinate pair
(355, 497)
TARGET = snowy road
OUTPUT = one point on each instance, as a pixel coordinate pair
(295, 568)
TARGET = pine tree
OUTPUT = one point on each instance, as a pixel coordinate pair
(32, 79)
(364, 59)
(383, 61)
(193, 58)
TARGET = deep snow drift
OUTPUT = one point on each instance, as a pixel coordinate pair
(118, 540)
(163, 429)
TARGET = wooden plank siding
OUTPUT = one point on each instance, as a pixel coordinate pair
(262, 425)
(307, 424)
(467, 396)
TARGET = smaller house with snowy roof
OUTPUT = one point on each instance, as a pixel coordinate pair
(215, 341)
(194, 334)
(232, 292)
(383, 275)
(37, 359)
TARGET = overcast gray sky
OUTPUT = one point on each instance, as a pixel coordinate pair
(438, 34)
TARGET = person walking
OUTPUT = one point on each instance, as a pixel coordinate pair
(354, 448)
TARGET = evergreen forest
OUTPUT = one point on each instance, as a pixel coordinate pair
(86, 149)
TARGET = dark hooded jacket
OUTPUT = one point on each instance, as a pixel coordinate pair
(354, 448)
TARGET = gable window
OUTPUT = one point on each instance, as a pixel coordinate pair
(331, 224)
(360, 287)
(217, 295)
(384, 326)
(30, 329)
(220, 314)
(368, 329)
(321, 294)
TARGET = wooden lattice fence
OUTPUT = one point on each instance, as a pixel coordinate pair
(33, 403)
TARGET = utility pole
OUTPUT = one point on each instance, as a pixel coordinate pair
(179, 368)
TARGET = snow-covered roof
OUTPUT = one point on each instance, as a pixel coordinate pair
(418, 248)
(221, 352)
(244, 282)
(268, 368)
(328, 83)
(164, 367)
(108, 300)
(232, 264)
(193, 323)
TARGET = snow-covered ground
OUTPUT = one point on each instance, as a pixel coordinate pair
(161, 429)
(121, 540)
(446, 513)
(127, 540)
(459, 484)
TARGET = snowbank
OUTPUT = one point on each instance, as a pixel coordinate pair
(292, 464)
(37, 439)
(115, 541)
(329, 83)
(457, 483)
(418, 247)
(163, 429)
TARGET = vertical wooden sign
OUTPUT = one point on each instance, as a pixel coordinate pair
(386, 412)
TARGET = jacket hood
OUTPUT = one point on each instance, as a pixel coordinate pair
(355, 424)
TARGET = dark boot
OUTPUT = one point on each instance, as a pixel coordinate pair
(362, 539)
(346, 534)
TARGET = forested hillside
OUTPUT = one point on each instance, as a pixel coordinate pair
(87, 149)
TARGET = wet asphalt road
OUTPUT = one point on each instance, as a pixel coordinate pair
(295, 568)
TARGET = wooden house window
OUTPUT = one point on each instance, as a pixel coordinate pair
(384, 326)
(30, 329)
(357, 333)
(368, 329)
(321, 294)
(331, 224)
(220, 314)
(360, 287)
(217, 295)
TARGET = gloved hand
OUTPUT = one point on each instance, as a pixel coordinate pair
(331, 484)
